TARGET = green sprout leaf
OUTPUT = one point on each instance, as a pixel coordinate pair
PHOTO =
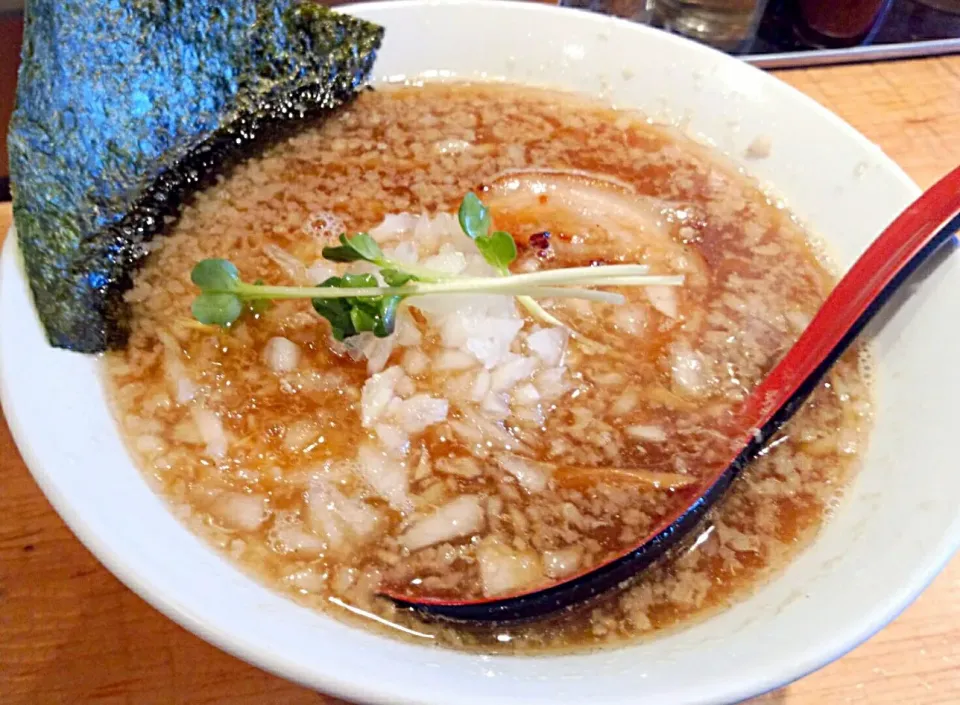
(215, 275)
(362, 319)
(361, 314)
(366, 247)
(358, 281)
(498, 249)
(337, 311)
(387, 318)
(352, 249)
(215, 308)
(394, 277)
(474, 216)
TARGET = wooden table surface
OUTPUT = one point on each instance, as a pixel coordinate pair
(71, 633)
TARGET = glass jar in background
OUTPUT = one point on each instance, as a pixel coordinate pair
(730, 25)
(838, 23)
(635, 10)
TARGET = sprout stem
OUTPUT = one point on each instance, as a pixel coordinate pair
(506, 288)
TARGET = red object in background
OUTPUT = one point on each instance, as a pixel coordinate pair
(838, 23)
(11, 35)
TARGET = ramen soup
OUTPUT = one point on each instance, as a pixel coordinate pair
(478, 450)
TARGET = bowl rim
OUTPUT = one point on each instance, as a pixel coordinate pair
(785, 672)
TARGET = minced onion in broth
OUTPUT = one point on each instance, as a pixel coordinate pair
(477, 452)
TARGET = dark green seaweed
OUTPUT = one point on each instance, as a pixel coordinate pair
(127, 107)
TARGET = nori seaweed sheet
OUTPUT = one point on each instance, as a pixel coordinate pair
(126, 108)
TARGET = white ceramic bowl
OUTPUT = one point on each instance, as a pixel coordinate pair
(897, 529)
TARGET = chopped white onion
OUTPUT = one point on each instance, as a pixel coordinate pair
(211, 431)
(447, 262)
(420, 411)
(393, 438)
(405, 251)
(455, 360)
(495, 405)
(341, 520)
(462, 516)
(626, 402)
(245, 512)
(308, 580)
(561, 563)
(186, 390)
(407, 333)
(377, 351)
(467, 432)
(428, 230)
(687, 369)
(481, 385)
(405, 388)
(423, 468)
(385, 476)
(394, 224)
(550, 383)
(291, 266)
(548, 344)
(377, 393)
(664, 299)
(458, 386)
(533, 476)
(415, 361)
(324, 522)
(630, 319)
(534, 414)
(647, 433)
(150, 444)
(183, 387)
(451, 146)
(292, 539)
(462, 467)
(489, 340)
(491, 433)
(394, 406)
(511, 371)
(483, 325)
(352, 346)
(281, 355)
(503, 570)
(526, 394)
(320, 271)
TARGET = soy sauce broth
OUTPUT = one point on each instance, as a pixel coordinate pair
(246, 448)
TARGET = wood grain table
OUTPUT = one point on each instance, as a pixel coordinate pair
(71, 633)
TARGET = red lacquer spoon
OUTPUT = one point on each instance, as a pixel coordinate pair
(906, 243)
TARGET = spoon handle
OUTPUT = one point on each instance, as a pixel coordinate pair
(906, 243)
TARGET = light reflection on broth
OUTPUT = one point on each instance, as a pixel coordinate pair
(489, 453)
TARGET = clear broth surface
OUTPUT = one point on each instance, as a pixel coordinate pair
(753, 281)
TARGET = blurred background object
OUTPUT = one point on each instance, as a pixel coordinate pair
(813, 32)
(794, 33)
(843, 23)
(730, 25)
(634, 10)
(11, 30)
(952, 6)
